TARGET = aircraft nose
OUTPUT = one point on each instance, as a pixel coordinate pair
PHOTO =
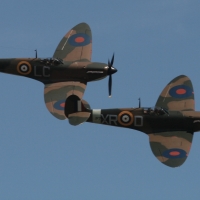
(112, 70)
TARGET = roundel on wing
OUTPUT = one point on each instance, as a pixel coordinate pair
(181, 91)
(79, 39)
(175, 153)
(59, 105)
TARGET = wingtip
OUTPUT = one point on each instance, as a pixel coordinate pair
(82, 25)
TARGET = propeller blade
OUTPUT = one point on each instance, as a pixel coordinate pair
(110, 85)
(110, 72)
(112, 60)
(108, 63)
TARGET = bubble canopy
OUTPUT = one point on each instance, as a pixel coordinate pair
(156, 110)
(51, 61)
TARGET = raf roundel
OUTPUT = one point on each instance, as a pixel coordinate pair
(125, 118)
(59, 105)
(175, 153)
(79, 40)
(181, 91)
(24, 68)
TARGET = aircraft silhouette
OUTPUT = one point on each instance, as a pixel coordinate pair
(170, 125)
(67, 72)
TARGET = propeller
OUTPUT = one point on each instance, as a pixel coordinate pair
(110, 72)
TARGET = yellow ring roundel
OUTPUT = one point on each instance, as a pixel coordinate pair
(24, 68)
(125, 118)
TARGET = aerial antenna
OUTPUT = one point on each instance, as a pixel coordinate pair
(139, 102)
(36, 53)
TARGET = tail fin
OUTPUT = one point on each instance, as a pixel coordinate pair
(177, 95)
(76, 110)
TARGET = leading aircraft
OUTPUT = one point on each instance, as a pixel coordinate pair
(170, 125)
(67, 72)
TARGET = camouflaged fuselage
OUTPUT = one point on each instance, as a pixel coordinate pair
(52, 71)
(170, 132)
(67, 72)
(148, 122)
(170, 125)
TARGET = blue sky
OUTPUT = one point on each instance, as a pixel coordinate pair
(44, 158)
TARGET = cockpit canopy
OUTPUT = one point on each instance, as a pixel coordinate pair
(51, 61)
(156, 111)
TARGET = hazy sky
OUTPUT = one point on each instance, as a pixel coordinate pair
(42, 157)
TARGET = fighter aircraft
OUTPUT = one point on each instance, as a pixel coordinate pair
(67, 72)
(170, 125)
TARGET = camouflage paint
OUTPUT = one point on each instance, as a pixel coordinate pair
(66, 73)
(76, 44)
(177, 95)
(170, 125)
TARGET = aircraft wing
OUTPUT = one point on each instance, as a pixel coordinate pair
(76, 44)
(56, 94)
(171, 148)
(177, 95)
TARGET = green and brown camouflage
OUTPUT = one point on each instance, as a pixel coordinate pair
(170, 130)
(180, 100)
(76, 45)
(66, 73)
(53, 70)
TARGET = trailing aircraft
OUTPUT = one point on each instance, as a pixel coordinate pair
(67, 72)
(170, 125)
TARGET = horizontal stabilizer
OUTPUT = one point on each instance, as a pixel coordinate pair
(76, 110)
(78, 118)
